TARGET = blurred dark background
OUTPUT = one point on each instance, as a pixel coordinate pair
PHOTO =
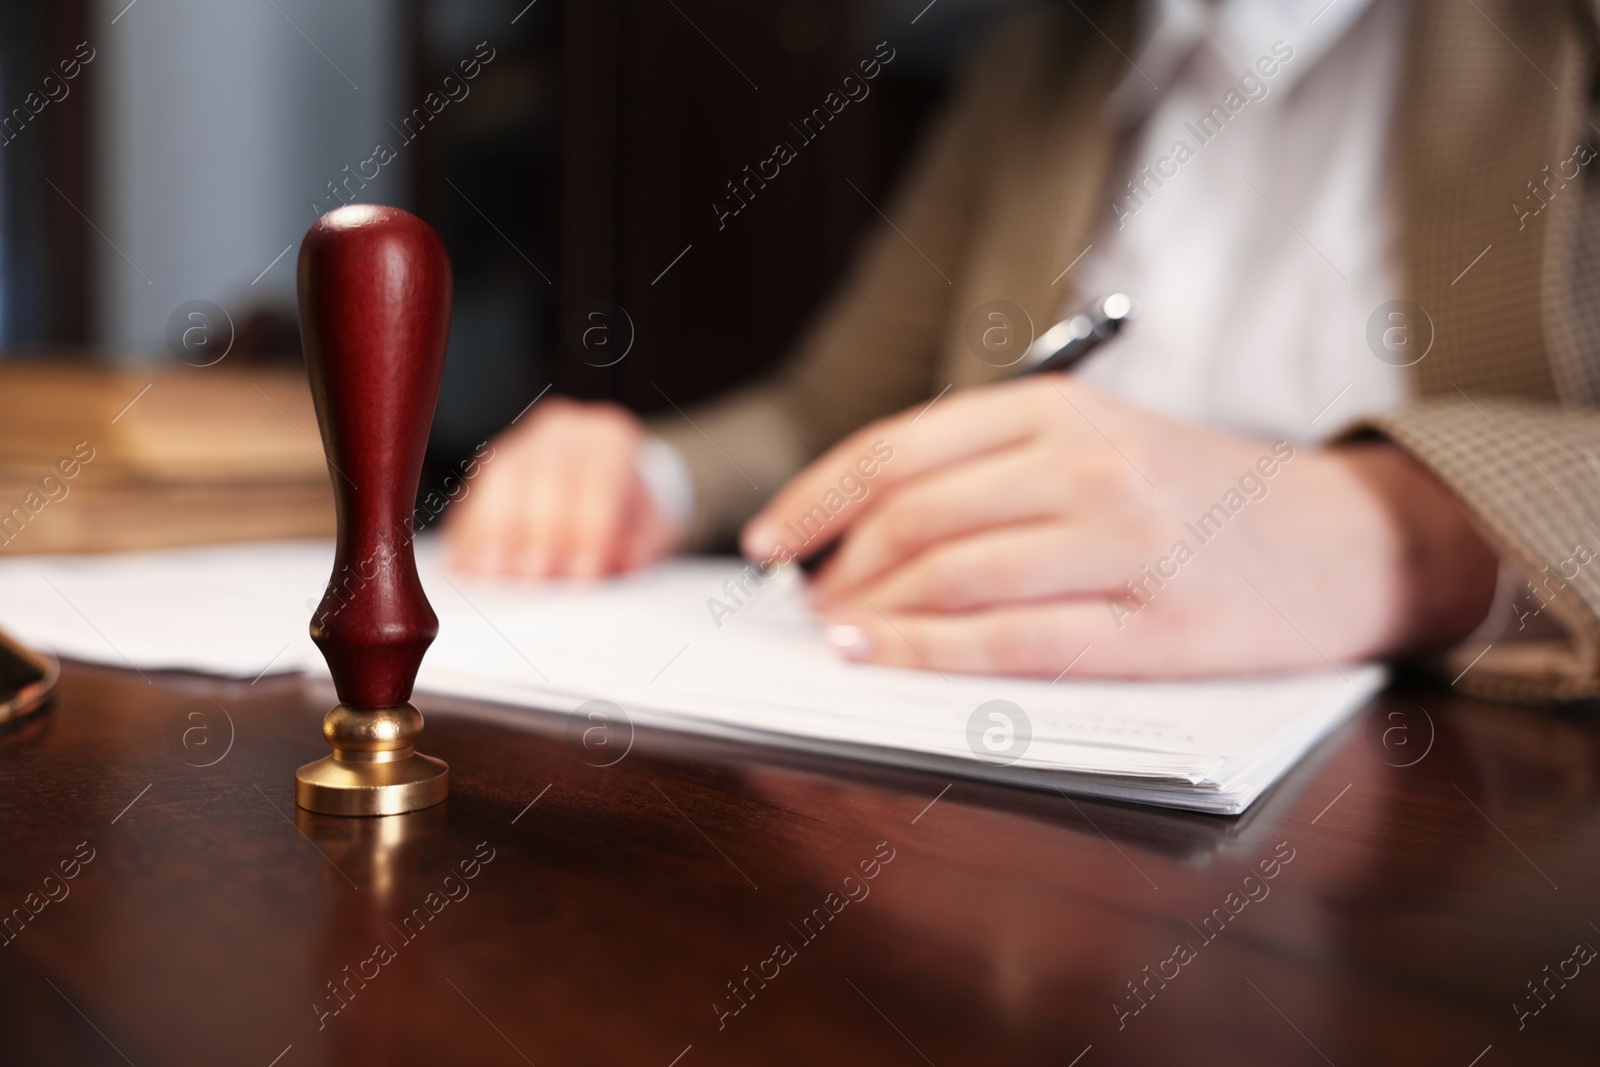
(572, 176)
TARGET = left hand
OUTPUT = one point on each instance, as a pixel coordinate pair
(1021, 527)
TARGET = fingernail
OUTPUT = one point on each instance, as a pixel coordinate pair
(853, 642)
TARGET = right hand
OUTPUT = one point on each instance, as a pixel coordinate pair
(561, 496)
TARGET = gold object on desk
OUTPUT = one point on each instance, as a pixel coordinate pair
(375, 768)
(27, 680)
(374, 319)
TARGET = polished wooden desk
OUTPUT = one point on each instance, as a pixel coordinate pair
(620, 915)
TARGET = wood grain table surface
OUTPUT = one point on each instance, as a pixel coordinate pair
(1423, 889)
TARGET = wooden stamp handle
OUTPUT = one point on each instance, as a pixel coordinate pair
(374, 316)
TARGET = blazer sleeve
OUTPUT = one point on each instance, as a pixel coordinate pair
(874, 348)
(1529, 472)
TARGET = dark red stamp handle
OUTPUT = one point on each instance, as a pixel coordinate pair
(374, 316)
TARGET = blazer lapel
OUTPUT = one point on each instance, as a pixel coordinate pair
(1051, 197)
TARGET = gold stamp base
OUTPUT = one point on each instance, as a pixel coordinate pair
(374, 769)
(332, 786)
(29, 679)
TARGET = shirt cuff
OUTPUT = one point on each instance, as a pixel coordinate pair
(1515, 601)
(1497, 622)
(666, 479)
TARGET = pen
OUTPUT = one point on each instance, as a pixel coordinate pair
(1060, 348)
(1070, 341)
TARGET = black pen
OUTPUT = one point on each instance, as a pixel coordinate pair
(1071, 341)
(1060, 348)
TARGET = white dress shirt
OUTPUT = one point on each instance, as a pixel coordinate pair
(1260, 256)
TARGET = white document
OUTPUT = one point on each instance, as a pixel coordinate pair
(651, 644)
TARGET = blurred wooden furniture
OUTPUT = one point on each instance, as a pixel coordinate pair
(619, 915)
(175, 455)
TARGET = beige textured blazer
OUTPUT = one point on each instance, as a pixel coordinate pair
(1011, 185)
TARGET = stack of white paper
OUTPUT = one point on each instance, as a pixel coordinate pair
(652, 644)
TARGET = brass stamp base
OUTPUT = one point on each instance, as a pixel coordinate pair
(374, 770)
(332, 786)
(27, 681)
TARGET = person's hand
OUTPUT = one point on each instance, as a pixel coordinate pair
(561, 496)
(1033, 525)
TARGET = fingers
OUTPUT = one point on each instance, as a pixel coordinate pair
(539, 527)
(478, 528)
(1027, 562)
(564, 499)
(604, 475)
(1104, 636)
(895, 450)
(1013, 485)
(1034, 640)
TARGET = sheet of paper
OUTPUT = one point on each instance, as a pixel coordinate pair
(665, 646)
